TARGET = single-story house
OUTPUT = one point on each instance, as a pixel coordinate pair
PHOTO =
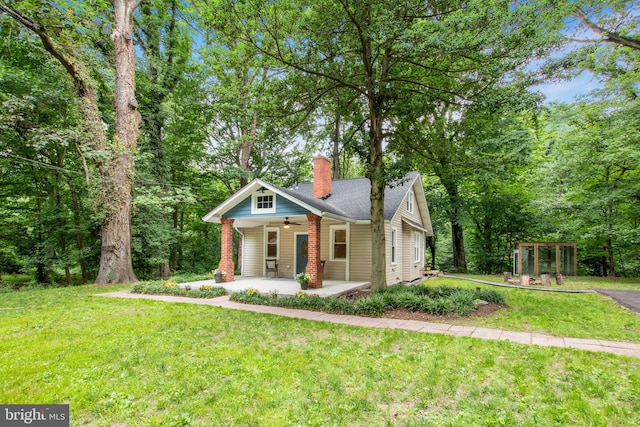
(323, 227)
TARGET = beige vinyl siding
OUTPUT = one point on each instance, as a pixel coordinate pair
(406, 269)
(360, 252)
(253, 255)
(333, 270)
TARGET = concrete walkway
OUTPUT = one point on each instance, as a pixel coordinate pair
(531, 338)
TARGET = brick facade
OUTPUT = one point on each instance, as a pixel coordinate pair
(313, 263)
(226, 256)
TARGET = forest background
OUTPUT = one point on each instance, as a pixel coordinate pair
(230, 91)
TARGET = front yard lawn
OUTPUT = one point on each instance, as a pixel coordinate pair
(562, 314)
(150, 363)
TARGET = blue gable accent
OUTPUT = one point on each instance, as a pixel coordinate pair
(284, 207)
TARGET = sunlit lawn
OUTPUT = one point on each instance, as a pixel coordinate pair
(579, 282)
(564, 314)
(146, 363)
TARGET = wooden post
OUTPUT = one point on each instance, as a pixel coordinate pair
(559, 279)
(524, 279)
(545, 279)
(507, 276)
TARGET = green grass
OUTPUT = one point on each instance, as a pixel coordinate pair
(563, 314)
(579, 282)
(149, 363)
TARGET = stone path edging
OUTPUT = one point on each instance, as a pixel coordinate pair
(530, 338)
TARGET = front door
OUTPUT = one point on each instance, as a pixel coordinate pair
(302, 252)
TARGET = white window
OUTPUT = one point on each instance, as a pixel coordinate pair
(272, 243)
(394, 246)
(264, 202)
(339, 242)
(410, 198)
(417, 246)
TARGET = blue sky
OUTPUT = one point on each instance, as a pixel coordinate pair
(567, 91)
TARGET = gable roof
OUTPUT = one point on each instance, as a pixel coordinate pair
(350, 197)
(349, 200)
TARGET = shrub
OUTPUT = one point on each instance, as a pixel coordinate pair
(463, 302)
(249, 298)
(371, 306)
(438, 306)
(170, 287)
(437, 301)
(490, 295)
(338, 306)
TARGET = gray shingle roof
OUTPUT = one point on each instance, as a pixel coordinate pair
(350, 197)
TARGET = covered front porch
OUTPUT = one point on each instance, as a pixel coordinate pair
(284, 287)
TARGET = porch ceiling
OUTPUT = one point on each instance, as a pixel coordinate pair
(274, 221)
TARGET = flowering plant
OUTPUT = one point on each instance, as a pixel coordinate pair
(218, 271)
(303, 277)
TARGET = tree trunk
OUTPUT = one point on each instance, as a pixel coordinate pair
(115, 257)
(376, 176)
(62, 239)
(610, 257)
(431, 243)
(174, 249)
(249, 138)
(457, 236)
(336, 149)
(79, 242)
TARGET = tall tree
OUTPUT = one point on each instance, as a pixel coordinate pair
(164, 57)
(113, 159)
(591, 174)
(115, 256)
(384, 52)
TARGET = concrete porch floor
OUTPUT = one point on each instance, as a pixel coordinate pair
(285, 287)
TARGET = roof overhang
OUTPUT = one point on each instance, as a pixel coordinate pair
(415, 225)
(216, 214)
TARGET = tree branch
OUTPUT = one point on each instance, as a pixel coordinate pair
(80, 84)
(608, 36)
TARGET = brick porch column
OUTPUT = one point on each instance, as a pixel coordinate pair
(226, 253)
(313, 263)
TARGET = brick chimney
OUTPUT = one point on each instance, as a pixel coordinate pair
(321, 177)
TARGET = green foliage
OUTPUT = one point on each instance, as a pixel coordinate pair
(439, 301)
(170, 287)
(9, 261)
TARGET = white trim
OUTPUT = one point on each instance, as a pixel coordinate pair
(394, 246)
(256, 184)
(410, 201)
(414, 225)
(418, 251)
(266, 242)
(254, 203)
(332, 230)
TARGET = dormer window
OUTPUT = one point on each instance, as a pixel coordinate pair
(410, 199)
(263, 203)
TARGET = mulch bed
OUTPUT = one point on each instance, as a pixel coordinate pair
(482, 311)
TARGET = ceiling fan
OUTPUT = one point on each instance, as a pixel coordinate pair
(287, 223)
